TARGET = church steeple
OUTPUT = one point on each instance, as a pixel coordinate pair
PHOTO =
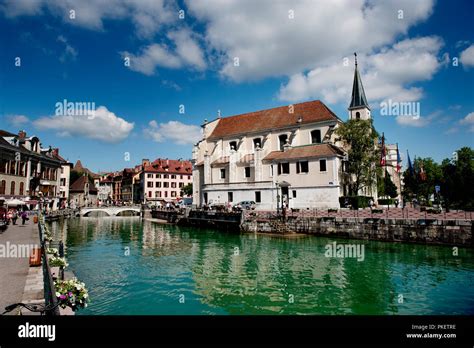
(359, 107)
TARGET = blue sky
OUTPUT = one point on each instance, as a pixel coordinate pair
(416, 52)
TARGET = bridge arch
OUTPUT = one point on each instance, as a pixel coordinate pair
(134, 211)
(110, 211)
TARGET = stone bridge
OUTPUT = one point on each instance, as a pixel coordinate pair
(111, 211)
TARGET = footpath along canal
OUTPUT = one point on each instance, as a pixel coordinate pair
(131, 266)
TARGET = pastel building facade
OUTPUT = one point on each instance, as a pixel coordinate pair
(285, 156)
(163, 180)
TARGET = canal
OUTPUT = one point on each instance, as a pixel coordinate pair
(132, 266)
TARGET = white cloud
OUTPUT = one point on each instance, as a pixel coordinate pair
(69, 51)
(187, 52)
(468, 121)
(150, 57)
(419, 121)
(467, 57)
(148, 16)
(388, 74)
(411, 121)
(187, 48)
(17, 120)
(104, 125)
(269, 43)
(173, 131)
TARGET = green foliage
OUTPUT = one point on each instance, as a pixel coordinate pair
(457, 183)
(386, 201)
(455, 179)
(187, 190)
(355, 202)
(359, 137)
(386, 187)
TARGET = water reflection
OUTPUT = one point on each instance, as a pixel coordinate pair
(252, 274)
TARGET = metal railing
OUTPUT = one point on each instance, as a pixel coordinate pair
(51, 302)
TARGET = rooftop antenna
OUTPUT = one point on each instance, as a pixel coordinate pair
(355, 55)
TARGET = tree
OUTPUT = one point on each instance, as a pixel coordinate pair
(386, 187)
(187, 190)
(359, 138)
(421, 183)
(457, 187)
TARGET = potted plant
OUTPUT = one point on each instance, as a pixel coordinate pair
(56, 261)
(52, 251)
(71, 293)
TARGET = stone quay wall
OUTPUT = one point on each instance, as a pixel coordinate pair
(428, 231)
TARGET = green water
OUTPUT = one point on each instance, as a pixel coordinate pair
(135, 267)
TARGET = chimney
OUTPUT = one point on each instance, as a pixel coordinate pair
(22, 134)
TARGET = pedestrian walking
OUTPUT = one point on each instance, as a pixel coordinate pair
(24, 217)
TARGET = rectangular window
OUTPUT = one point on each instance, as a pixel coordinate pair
(166, 193)
(149, 184)
(173, 176)
(181, 177)
(222, 173)
(149, 194)
(158, 184)
(181, 184)
(173, 193)
(322, 165)
(158, 176)
(166, 184)
(230, 196)
(166, 176)
(189, 177)
(285, 168)
(294, 193)
(205, 197)
(258, 197)
(173, 185)
(302, 167)
(316, 136)
(247, 172)
(233, 145)
(149, 176)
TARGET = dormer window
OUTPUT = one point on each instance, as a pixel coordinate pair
(316, 136)
(257, 142)
(282, 138)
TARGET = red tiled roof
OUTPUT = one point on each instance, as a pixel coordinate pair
(280, 117)
(306, 151)
(78, 185)
(169, 166)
